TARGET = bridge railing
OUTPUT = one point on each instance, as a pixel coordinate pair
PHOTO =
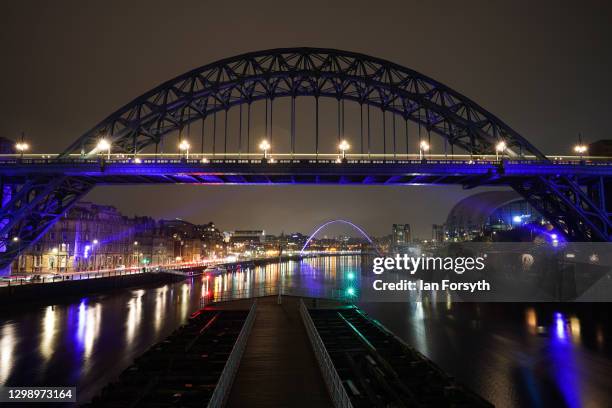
(255, 158)
(336, 390)
(224, 385)
(34, 279)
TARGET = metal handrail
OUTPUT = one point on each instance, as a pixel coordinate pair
(19, 281)
(335, 388)
(54, 157)
(228, 374)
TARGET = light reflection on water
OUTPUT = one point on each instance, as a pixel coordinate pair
(7, 343)
(514, 355)
(48, 332)
(87, 342)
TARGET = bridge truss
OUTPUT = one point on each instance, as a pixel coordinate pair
(37, 193)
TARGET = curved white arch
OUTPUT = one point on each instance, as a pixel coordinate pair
(357, 227)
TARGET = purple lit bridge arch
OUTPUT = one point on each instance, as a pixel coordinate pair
(409, 108)
(354, 226)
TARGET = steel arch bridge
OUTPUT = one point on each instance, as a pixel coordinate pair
(345, 222)
(36, 191)
(296, 72)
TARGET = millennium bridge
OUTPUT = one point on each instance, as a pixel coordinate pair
(217, 124)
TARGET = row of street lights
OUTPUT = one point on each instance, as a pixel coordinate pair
(184, 146)
(344, 146)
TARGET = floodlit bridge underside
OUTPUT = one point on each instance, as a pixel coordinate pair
(36, 192)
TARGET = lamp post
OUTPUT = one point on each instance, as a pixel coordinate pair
(344, 146)
(94, 243)
(184, 146)
(500, 147)
(104, 145)
(580, 148)
(423, 149)
(136, 251)
(22, 147)
(16, 241)
(265, 146)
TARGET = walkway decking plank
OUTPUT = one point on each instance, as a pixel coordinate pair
(278, 368)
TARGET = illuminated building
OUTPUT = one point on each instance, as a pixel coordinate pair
(437, 233)
(401, 237)
(486, 213)
(248, 236)
(91, 237)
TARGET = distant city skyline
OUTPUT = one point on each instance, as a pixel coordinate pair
(298, 212)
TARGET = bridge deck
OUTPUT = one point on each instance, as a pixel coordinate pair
(278, 367)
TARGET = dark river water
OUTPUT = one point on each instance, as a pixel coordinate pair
(515, 355)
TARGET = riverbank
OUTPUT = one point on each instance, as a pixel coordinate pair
(10, 295)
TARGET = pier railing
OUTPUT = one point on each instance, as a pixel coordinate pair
(34, 279)
(228, 374)
(334, 384)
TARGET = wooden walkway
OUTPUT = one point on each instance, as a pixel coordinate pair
(278, 368)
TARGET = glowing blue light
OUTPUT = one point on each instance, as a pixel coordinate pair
(350, 291)
(559, 326)
(350, 276)
(516, 218)
(553, 236)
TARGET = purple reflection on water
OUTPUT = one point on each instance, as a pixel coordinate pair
(564, 365)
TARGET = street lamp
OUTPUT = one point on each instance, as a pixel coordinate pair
(344, 146)
(93, 252)
(184, 146)
(500, 147)
(104, 145)
(22, 147)
(265, 146)
(581, 149)
(136, 251)
(423, 148)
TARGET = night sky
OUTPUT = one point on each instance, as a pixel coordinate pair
(542, 67)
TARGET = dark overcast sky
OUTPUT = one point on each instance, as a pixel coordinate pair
(543, 67)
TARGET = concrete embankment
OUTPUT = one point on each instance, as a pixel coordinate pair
(36, 292)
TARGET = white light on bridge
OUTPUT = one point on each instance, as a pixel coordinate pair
(423, 148)
(344, 146)
(104, 145)
(500, 147)
(22, 147)
(581, 149)
(265, 146)
(184, 146)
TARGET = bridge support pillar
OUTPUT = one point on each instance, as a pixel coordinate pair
(6, 193)
(600, 192)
